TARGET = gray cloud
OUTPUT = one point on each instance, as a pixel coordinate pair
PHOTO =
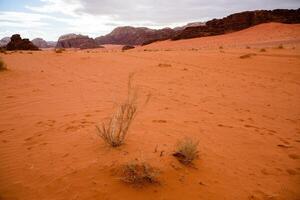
(51, 18)
(164, 12)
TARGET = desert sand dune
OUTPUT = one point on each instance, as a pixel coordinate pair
(262, 35)
(244, 112)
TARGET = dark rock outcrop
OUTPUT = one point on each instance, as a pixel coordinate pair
(76, 41)
(17, 43)
(4, 41)
(40, 43)
(192, 24)
(128, 35)
(239, 21)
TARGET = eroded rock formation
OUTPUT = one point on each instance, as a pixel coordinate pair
(17, 43)
(76, 41)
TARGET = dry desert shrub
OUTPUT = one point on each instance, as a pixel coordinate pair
(2, 50)
(2, 65)
(60, 50)
(151, 50)
(186, 151)
(262, 50)
(248, 47)
(127, 47)
(138, 174)
(164, 65)
(249, 55)
(280, 47)
(115, 131)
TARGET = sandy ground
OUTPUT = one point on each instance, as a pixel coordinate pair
(244, 112)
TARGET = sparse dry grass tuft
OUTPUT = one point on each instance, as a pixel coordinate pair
(2, 65)
(138, 174)
(114, 133)
(249, 55)
(186, 151)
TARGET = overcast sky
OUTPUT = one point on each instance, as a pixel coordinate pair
(51, 18)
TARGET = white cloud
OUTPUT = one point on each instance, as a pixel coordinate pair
(66, 7)
(21, 18)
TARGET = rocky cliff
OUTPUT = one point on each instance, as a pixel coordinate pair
(239, 21)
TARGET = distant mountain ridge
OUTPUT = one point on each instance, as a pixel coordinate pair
(235, 22)
(128, 35)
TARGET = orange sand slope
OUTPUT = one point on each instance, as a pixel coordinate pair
(268, 34)
(244, 112)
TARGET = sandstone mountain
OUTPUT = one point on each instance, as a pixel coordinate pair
(76, 41)
(239, 21)
(17, 43)
(128, 35)
(40, 43)
(4, 41)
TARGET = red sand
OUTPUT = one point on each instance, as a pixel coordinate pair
(244, 112)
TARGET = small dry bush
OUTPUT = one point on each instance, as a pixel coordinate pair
(60, 50)
(2, 65)
(151, 50)
(127, 47)
(138, 174)
(221, 47)
(248, 47)
(262, 50)
(280, 47)
(115, 131)
(2, 50)
(164, 65)
(249, 55)
(186, 151)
